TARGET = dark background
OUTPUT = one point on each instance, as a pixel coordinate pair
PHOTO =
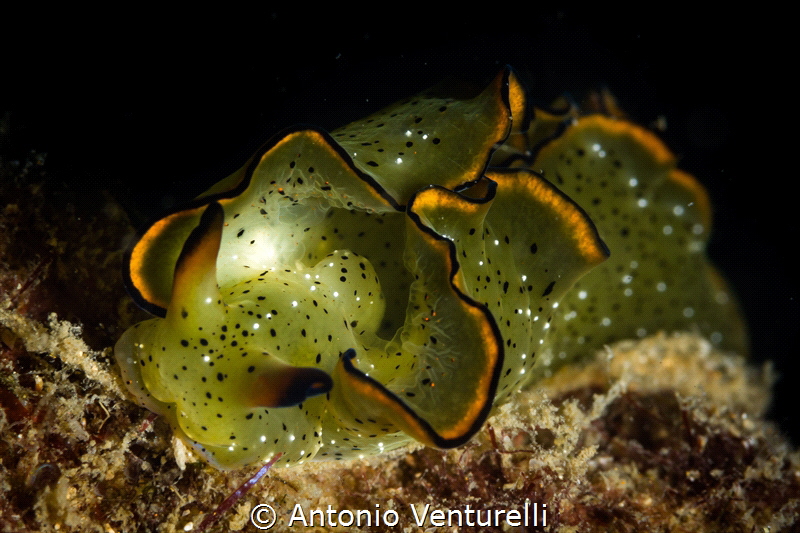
(155, 107)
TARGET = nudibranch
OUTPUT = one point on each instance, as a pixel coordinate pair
(344, 293)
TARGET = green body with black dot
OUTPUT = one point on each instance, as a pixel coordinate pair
(345, 293)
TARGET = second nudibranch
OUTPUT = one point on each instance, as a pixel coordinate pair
(342, 294)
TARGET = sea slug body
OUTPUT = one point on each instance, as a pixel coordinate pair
(399, 277)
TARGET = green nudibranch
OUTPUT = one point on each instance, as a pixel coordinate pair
(344, 293)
